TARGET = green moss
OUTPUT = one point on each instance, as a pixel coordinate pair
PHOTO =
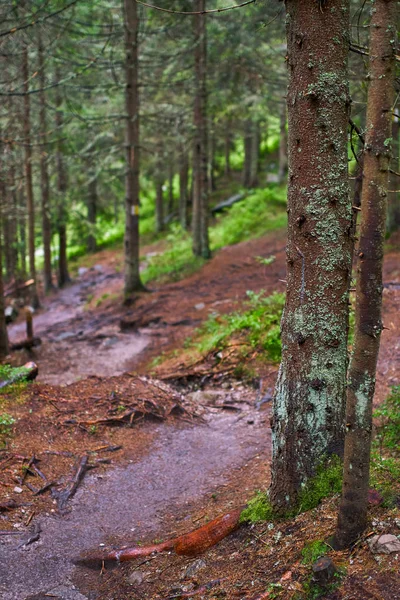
(326, 482)
(312, 551)
(258, 509)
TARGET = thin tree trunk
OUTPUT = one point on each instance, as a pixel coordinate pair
(170, 208)
(3, 326)
(44, 176)
(92, 201)
(132, 255)
(283, 149)
(159, 204)
(200, 155)
(228, 147)
(255, 154)
(352, 516)
(183, 189)
(247, 141)
(62, 275)
(28, 178)
(213, 143)
(22, 229)
(309, 401)
(393, 220)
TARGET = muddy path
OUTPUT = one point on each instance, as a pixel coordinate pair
(182, 470)
(145, 499)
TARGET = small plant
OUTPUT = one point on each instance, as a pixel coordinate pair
(93, 429)
(265, 261)
(6, 422)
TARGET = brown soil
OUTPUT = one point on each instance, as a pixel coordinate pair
(183, 460)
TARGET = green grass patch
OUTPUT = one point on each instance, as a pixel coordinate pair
(260, 324)
(314, 550)
(261, 211)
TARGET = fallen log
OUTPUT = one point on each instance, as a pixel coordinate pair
(28, 372)
(26, 344)
(190, 544)
(221, 206)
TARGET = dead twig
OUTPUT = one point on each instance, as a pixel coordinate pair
(62, 496)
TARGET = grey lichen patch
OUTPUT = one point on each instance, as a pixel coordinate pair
(364, 395)
(329, 87)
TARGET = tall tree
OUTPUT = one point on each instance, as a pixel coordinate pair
(201, 245)
(28, 177)
(361, 378)
(308, 414)
(63, 274)
(3, 326)
(132, 255)
(44, 175)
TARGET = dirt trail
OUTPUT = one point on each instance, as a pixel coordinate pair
(133, 503)
(77, 342)
(177, 474)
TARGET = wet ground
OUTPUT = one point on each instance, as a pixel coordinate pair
(135, 503)
(180, 467)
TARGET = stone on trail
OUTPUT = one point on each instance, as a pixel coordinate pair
(384, 544)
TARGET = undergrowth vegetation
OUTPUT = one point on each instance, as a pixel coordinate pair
(261, 211)
(258, 326)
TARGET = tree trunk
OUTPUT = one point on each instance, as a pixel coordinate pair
(62, 275)
(22, 229)
(283, 147)
(183, 189)
(228, 147)
(308, 414)
(170, 208)
(44, 176)
(393, 219)
(132, 255)
(200, 154)
(247, 141)
(255, 154)
(92, 201)
(28, 178)
(212, 166)
(159, 204)
(352, 516)
(3, 326)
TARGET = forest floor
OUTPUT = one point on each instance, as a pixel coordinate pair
(168, 455)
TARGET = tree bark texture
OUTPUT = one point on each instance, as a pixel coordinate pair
(92, 201)
(352, 516)
(159, 204)
(28, 178)
(183, 189)
(44, 175)
(308, 414)
(3, 326)
(62, 275)
(228, 147)
(283, 147)
(248, 146)
(132, 256)
(255, 154)
(200, 154)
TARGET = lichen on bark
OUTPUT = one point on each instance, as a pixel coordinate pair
(308, 417)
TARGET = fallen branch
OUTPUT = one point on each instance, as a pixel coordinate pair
(26, 344)
(62, 496)
(190, 544)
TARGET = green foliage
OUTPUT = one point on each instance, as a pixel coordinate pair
(326, 482)
(16, 376)
(260, 323)
(388, 422)
(6, 422)
(312, 551)
(176, 262)
(257, 509)
(263, 210)
(265, 261)
(385, 458)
